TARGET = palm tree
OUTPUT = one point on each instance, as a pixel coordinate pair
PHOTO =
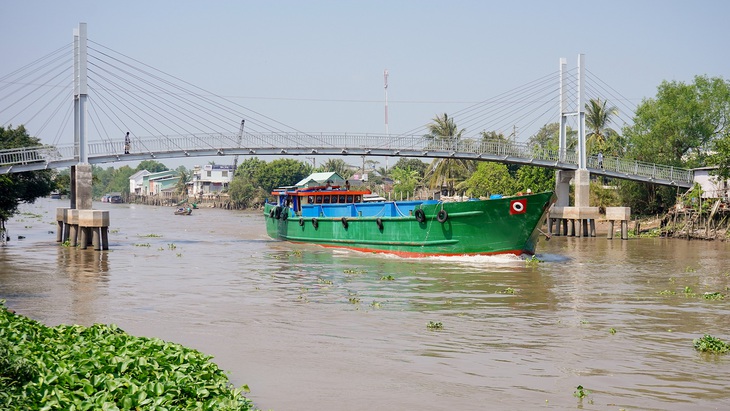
(337, 165)
(446, 172)
(181, 188)
(598, 116)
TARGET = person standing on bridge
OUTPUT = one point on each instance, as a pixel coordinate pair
(127, 143)
(600, 159)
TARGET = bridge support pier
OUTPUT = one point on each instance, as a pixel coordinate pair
(83, 228)
(622, 215)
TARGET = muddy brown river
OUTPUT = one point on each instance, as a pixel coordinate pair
(309, 328)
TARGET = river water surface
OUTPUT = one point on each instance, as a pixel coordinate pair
(310, 328)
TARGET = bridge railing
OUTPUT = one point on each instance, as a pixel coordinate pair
(39, 154)
(222, 143)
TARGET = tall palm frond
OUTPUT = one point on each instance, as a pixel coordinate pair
(598, 117)
(446, 172)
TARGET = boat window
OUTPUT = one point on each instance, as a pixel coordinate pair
(326, 199)
(349, 199)
(357, 199)
(319, 199)
(310, 200)
(342, 199)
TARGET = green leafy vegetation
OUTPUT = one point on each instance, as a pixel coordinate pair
(580, 392)
(434, 325)
(711, 344)
(71, 367)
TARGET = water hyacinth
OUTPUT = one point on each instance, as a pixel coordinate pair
(103, 368)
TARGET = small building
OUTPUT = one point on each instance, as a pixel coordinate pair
(136, 180)
(712, 186)
(153, 183)
(211, 178)
(321, 179)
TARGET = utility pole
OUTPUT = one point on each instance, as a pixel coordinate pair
(313, 160)
(240, 139)
(387, 133)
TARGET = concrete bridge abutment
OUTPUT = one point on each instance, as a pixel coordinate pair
(80, 225)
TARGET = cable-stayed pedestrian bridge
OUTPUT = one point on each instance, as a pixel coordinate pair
(307, 144)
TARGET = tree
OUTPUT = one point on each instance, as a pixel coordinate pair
(151, 165)
(183, 177)
(281, 172)
(412, 163)
(405, 180)
(678, 127)
(548, 138)
(337, 165)
(489, 178)
(537, 179)
(598, 117)
(16, 188)
(446, 172)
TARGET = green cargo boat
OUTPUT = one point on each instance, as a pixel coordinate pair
(339, 216)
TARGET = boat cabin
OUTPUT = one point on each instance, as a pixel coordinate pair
(318, 189)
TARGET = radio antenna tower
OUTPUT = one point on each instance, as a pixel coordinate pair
(385, 80)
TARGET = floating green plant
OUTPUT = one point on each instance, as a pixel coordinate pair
(508, 290)
(533, 261)
(434, 325)
(667, 292)
(354, 300)
(103, 368)
(324, 281)
(354, 271)
(709, 343)
(713, 296)
(143, 245)
(612, 330)
(387, 278)
(375, 304)
(151, 236)
(580, 392)
(171, 246)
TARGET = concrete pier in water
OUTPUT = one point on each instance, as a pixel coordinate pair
(79, 224)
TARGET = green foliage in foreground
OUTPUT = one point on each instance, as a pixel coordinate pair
(709, 343)
(103, 368)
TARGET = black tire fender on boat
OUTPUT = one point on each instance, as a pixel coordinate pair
(344, 222)
(442, 216)
(301, 221)
(285, 215)
(277, 212)
(379, 222)
(315, 223)
(420, 215)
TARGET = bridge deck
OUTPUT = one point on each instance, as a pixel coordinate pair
(294, 144)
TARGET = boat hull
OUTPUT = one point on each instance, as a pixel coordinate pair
(496, 226)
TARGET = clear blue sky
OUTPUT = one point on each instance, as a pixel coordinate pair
(318, 65)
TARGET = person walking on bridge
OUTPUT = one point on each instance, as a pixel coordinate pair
(127, 143)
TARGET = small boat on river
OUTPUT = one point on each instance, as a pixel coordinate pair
(184, 211)
(337, 215)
